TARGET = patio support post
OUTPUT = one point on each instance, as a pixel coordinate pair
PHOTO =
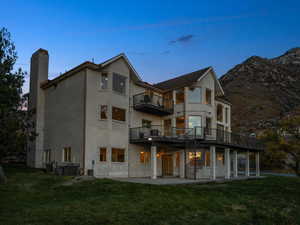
(257, 164)
(235, 163)
(227, 163)
(213, 162)
(182, 164)
(247, 163)
(153, 161)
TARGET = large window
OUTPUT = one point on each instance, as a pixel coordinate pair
(118, 114)
(194, 95)
(179, 96)
(196, 122)
(118, 155)
(102, 157)
(103, 112)
(67, 154)
(226, 115)
(146, 123)
(104, 81)
(220, 113)
(144, 157)
(208, 96)
(119, 83)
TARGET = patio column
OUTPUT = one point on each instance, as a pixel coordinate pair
(153, 162)
(182, 164)
(212, 162)
(257, 164)
(235, 163)
(247, 163)
(227, 163)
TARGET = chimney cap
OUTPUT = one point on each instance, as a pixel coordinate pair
(42, 51)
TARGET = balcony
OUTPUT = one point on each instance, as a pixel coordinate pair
(199, 135)
(153, 104)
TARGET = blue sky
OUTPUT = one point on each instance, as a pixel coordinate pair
(161, 38)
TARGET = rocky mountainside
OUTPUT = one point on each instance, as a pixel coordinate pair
(263, 90)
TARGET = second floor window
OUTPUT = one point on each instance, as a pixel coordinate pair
(67, 154)
(194, 95)
(220, 113)
(104, 81)
(103, 112)
(179, 96)
(208, 96)
(119, 83)
(118, 114)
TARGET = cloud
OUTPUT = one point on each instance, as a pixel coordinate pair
(183, 39)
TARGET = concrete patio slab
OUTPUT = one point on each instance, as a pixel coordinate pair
(177, 181)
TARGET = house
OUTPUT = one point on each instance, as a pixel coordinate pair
(105, 119)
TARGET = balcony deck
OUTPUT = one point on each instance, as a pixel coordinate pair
(153, 104)
(200, 137)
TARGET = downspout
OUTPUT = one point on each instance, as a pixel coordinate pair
(84, 121)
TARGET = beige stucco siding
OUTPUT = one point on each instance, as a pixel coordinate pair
(64, 113)
(106, 133)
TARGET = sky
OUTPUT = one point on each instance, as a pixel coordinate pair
(162, 39)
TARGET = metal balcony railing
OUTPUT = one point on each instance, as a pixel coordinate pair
(197, 133)
(153, 103)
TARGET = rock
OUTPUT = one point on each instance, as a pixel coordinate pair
(3, 178)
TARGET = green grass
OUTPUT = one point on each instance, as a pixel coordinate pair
(32, 197)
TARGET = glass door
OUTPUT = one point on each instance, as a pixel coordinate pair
(195, 122)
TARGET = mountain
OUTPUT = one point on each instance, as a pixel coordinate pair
(263, 90)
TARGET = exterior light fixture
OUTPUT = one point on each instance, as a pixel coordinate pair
(149, 139)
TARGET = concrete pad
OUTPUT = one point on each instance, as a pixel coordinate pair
(176, 181)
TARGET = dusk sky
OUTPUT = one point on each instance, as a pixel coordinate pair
(162, 39)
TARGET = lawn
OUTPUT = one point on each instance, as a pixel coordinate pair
(32, 197)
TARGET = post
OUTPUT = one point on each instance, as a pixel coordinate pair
(227, 163)
(235, 163)
(257, 164)
(182, 164)
(153, 161)
(247, 163)
(213, 162)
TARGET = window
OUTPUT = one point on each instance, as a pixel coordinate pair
(103, 112)
(104, 81)
(226, 115)
(207, 158)
(144, 157)
(220, 113)
(47, 155)
(118, 114)
(194, 95)
(119, 83)
(118, 155)
(196, 122)
(220, 158)
(208, 126)
(146, 123)
(208, 96)
(102, 154)
(179, 96)
(177, 159)
(67, 154)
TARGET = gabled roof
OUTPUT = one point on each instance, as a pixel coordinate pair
(115, 58)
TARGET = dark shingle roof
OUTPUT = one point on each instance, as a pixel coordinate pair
(181, 81)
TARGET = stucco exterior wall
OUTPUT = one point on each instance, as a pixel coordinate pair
(64, 114)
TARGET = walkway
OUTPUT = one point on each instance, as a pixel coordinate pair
(176, 181)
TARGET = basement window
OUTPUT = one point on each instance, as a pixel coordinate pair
(144, 157)
(118, 155)
(67, 154)
(102, 154)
